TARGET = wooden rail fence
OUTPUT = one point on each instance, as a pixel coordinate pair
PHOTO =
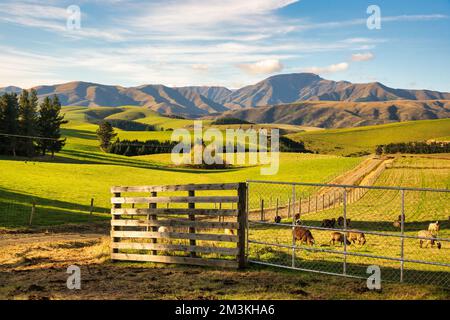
(145, 228)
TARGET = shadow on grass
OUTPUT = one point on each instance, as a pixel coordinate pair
(16, 208)
(71, 156)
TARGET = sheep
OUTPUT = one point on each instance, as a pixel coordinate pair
(339, 237)
(354, 236)
(277, 219)
(397, 224)
(303, 235)
(434, 227)
(229, 232)
(328, 223)
(427, 234)
(340, 221)
(163, 229)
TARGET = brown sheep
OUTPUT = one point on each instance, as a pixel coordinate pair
(339, 237)
(303, 235)
(356, 236)
(340, 221)
(428, 234)
(328, 223)
(297, 216)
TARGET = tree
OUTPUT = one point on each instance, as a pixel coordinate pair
(105, 134)
(9, 117)
(28, 103)
(49, 124)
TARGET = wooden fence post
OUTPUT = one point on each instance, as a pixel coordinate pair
(33, 211)
(242, 220)
(192, 218)
(91, 210)
(115, 217)
(262, 209)
(153, 217)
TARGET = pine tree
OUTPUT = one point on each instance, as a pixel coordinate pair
(49, 124)
(28, 103)
(105, 134)
(9, 117)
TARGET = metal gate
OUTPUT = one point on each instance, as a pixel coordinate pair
(404, 231)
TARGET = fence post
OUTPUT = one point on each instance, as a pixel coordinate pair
(33, 211)
(192, 218)
(262, 209)
(345, 233)
(293, 226)
(289, 208)
(115, 228)
(242, 220)
(153, 217)
(402, 243)
(91, 210)
(276, 211)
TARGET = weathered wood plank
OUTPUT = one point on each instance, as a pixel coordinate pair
(174, 235)
(201, 199)
(186, 187)
(164, 211)
(174, 247)
(175, 223)
(175, 260)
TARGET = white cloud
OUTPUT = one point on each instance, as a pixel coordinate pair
(358, 57)
(200, 67)
(328, 69)
(262, 67)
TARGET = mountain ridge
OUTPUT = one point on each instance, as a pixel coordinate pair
(199, 101)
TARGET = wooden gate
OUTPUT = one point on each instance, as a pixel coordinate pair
(166, 227)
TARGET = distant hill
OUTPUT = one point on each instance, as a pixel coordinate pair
(363, 140)
(277, 99)
(326, 114)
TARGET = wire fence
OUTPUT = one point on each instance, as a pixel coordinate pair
(28, 211)
(342, 230)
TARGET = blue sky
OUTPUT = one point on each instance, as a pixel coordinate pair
(231, 43)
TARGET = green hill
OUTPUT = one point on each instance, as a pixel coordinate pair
(360, 140)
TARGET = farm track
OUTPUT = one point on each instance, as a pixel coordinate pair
(366, 174)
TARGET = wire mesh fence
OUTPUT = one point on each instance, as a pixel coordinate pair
(22, 210)
(344, 229)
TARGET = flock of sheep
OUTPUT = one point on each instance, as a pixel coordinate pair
(304, 235)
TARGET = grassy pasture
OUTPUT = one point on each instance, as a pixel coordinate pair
(365, 139)
(375, 211)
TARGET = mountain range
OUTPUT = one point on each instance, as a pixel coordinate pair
(277, 95)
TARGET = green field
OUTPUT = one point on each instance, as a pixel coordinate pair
(374, 211)
(352, 141)
(62, 188)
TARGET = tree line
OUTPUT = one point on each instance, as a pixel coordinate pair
(417, 147)
(29, 128)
